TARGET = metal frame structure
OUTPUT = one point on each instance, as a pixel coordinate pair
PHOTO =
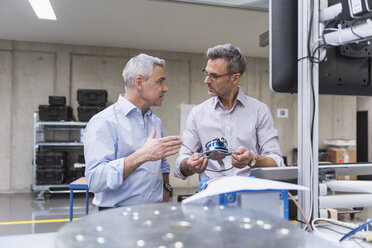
(308, 73)
(39, 140)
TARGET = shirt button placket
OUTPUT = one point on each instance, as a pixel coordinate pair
(228, 129)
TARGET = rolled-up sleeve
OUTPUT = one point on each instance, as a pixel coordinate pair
(102, 171)
(177, 168)
(165, 168)
(267, 138)
(191, 139)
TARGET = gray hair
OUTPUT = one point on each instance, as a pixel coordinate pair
(141, 65)
(232, 54)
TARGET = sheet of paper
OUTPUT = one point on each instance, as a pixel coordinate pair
(221, 185)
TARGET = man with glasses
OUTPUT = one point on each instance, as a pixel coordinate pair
(244, 123)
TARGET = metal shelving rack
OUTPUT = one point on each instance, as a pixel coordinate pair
(40, 129)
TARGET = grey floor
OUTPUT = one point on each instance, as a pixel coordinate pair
(24, 208)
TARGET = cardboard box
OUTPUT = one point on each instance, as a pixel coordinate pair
(352, 156)
(341, 155)
(336, 155)
(347, 177)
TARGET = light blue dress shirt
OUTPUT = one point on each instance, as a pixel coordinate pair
(249, 123)
(110, 136)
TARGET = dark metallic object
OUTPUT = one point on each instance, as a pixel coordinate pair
(216, 149)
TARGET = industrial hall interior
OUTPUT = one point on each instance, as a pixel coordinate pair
(185, 123)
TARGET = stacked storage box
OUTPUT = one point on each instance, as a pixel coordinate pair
(90, 103)
(341, 151)
(76, 171)
(80, 166)
(50, 167)
(56, 110)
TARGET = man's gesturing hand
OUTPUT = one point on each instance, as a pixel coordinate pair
(155, 149)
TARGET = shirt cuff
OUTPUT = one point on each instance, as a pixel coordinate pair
(177, 168)
(165, 168)
(120, 167)
(277, 158)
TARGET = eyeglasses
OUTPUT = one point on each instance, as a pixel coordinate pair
(214, 76)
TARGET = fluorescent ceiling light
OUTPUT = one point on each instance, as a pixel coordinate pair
(246, 4)
(43, 9)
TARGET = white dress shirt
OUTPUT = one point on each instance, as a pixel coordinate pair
(112, 135)
(249, 123)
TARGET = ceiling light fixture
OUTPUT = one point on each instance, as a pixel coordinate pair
(43, 9)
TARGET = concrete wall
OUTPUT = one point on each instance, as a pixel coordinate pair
(30, 72)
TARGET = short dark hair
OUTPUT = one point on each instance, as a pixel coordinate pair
(232, 54)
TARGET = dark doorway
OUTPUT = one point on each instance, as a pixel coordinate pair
(362, 141)
(362, 136)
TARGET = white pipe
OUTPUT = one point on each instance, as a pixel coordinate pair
(330, 13)
(323, 189)
(323, 213)
(350, 186)
(342, 36)
(345, 201)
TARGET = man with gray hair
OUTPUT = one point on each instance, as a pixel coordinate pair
(244, 123)
(124, 148)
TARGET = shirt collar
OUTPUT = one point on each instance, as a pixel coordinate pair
(127, 107)
(239, 98)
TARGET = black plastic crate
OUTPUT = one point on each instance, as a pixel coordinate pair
(79, 172)
(69, 175)
(55, 113)
(49, 166)
(49, 176)
(57, 100)
(53, 159)
(91, 97)
(81, 159)
(87, 112)
(69, 180)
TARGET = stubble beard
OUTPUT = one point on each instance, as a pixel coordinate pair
(211, 92)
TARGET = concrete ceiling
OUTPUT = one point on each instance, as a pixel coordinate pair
(142, 24)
